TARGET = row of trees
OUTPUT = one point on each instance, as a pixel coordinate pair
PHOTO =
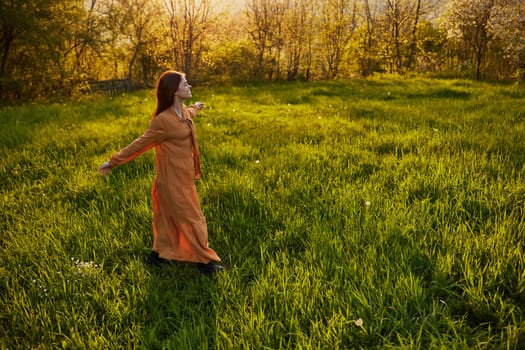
(57, 46)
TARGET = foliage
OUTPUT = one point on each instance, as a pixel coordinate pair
(431, 42)
(484, 33)
(373, 214)
(337, 23)
(189, 22)
(55, 48)
(298, 40)
(469, 23)
(36, 46)
(508, 28)
(230, 62)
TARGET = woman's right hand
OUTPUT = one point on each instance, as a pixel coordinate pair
(105, 168)
(199, 105)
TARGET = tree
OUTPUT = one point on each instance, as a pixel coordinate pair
(298, 37)
(398, 32)
(336, 27)
(413, 33)
(507, 25)
(431, 42)
(189, 21)
(367, 41)
(229, 56)
(133, 23)
(468, 21)
(265, 26)
(15, 16)
(82, 37)
(34, 45)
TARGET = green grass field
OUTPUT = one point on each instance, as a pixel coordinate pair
(373, 214)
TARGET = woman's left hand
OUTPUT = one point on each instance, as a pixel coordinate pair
(105, 168)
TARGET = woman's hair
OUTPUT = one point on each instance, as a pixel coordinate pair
(167, 86)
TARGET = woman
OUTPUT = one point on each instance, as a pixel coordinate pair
(179, 227)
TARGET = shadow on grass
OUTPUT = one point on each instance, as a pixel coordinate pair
(441, 93)
(179, 308)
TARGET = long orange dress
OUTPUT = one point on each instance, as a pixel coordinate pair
(180, 231)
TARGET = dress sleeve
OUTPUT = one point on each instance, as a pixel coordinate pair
(154, 135)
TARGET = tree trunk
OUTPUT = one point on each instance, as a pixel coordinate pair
(413, 43)
(9, 37)
(132, 61)
(479, 55)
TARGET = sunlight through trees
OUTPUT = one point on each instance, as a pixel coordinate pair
(56, 47)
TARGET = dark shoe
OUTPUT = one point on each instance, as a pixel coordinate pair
(209, 268)
(154, 259)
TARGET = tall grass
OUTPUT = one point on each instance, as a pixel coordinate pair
(381, 213)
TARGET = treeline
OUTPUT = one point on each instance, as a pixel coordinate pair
(58, 46)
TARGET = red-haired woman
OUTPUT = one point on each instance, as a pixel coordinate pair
(179, 228)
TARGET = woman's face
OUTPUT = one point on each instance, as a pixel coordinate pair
(184, 90)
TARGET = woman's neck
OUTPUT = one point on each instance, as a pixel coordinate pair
(177, 105)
